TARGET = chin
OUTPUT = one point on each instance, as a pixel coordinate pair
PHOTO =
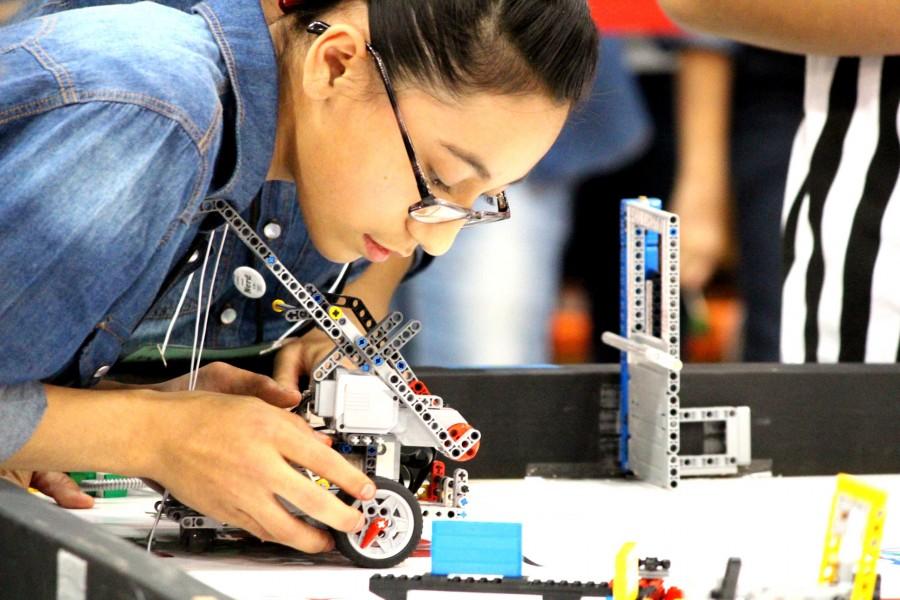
(339, 254)
(333, 250)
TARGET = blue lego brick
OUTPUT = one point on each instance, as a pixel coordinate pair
(623, 331)
(473, 548)
(651, 261)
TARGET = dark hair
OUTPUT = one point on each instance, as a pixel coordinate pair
(460, 46)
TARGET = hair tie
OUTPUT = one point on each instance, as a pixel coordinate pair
(288, 6)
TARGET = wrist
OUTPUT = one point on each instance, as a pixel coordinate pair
(151, 423)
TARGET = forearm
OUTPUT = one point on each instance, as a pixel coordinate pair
(91, 430)
(703, 108)
(701, 192)
(839, 27)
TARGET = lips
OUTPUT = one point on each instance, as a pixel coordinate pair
(374, 251)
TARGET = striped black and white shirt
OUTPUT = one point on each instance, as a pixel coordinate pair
(841, 219)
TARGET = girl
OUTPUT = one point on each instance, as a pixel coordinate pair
(382, 128)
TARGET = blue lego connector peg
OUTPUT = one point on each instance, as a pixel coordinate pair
(473, 548)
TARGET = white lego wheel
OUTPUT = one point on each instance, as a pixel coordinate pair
(401, 535)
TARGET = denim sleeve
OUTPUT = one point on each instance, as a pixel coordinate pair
(21, 409)
(91, 195)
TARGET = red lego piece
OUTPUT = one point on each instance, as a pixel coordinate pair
(419, 388)
(456, 432)
(659, 588)
(438, 471)
(674, 593)
(377, 525)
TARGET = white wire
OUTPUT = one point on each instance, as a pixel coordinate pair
(165, 344)
(212, 287)
(196, 353)
(209, 244)
(159, 510)
(337, 281)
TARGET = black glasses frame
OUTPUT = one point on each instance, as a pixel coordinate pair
(423, 210)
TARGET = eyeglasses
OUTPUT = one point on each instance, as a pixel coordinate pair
(430, 208)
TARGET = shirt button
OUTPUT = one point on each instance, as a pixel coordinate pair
(272, 230)
(228, 316)
(101, 371)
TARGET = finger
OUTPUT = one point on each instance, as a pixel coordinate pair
(318, 502)
(306, 429)
(20, 478)
(232, 380)
(327, 463)
(291, 530)
(288, 366)
(267, 389)
(240, 518)
(61, 488)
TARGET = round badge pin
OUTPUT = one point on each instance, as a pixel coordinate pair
(249, 282)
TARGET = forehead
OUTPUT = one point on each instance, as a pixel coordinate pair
(509, 132)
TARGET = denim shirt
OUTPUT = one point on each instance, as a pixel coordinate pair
(115, 123)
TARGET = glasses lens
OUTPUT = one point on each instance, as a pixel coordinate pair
(438, 213)
(489, 209)
(485, 203)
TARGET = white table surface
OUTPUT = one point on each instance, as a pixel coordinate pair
(574, 529)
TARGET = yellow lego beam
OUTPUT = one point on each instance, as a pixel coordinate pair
(852, 494)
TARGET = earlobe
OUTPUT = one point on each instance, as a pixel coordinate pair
(336, 63)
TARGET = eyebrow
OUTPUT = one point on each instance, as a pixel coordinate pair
(475, 162)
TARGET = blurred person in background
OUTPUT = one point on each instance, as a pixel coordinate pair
(724, 117)
(841, 293)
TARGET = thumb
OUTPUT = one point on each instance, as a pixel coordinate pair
(289, 365)
(228, 379)
(61, 488)
(265, 388)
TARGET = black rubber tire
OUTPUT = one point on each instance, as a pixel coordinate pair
(345, 547)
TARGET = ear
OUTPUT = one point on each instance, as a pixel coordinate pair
(336, 63)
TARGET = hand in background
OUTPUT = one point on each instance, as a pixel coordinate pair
(58, 486)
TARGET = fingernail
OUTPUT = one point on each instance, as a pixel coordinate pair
(361, 523)
(324, 438)
(329, 545)
(368, 491)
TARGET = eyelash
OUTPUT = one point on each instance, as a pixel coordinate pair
(435, 181)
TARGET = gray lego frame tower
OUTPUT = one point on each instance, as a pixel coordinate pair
(651, 416)
(650, 321)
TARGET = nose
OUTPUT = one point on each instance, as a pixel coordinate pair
(435, 238)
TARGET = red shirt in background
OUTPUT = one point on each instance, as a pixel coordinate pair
(631, 17)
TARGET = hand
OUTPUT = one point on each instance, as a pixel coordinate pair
(58, 486)
(226, 379)
(705, 228)
(231, 457)
(299, 357)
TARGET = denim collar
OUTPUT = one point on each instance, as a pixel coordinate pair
(240, 30)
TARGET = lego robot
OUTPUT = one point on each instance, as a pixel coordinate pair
(381, 417)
